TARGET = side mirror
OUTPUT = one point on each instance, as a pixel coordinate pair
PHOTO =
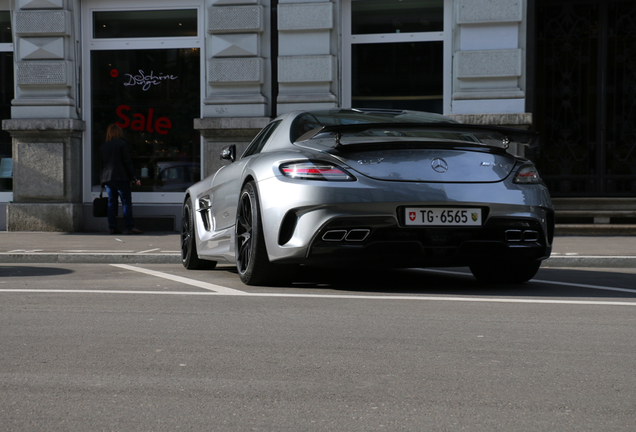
(229, 153)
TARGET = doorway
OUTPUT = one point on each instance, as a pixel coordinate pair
(144, 72)
(585, 96)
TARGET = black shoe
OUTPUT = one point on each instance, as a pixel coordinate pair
(134, 231)
(115, 231)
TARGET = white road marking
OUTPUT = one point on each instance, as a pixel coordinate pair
(149, 250)
(208, 286)
(331, 296)
(220, 290)
(569, 284)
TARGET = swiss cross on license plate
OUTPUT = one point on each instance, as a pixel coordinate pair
(442, 216)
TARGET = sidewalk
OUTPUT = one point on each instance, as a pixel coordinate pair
(88, 248)
(164, 248)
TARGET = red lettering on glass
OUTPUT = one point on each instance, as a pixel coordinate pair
(138, 123)
(141, 122)
(149, 124)
(162, 125)
(125, 120)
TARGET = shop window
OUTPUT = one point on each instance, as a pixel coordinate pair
(153, 94)
(397, 16)
(145, 24)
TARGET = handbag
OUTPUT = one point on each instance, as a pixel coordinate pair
(100, 206)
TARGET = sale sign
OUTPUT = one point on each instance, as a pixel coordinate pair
(141, 122)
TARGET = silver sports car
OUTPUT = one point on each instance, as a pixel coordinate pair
(374, 188)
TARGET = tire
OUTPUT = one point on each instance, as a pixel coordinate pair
(252, 262)
(505, 272)
(189, 256)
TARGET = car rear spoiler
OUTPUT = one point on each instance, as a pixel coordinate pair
(504, 135)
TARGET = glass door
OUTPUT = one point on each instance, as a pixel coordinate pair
(153, 95)
(144, 73)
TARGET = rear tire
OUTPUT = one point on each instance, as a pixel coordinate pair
(189, 255)
(252, 262)
(505, 272)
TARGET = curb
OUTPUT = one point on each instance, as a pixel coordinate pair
(591, 261)
(88, 258)
(172, 258)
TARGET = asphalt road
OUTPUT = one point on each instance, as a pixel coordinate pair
(91, 347)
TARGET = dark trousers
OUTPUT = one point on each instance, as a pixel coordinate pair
(119, 190)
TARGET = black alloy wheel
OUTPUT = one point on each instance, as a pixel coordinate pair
(189, 256)
(252, 262)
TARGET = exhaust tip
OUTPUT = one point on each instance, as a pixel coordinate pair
(514, 235)
(334, 235)
(531, 236)
(357, 235)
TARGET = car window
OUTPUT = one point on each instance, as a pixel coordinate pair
(256, 146)
(302, 124)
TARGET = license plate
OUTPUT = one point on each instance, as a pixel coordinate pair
(442, 216)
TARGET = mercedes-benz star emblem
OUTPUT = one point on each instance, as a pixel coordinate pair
(439, 165)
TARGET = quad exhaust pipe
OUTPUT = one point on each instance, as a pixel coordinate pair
(515, 235)
(360, 234)
(354, 235)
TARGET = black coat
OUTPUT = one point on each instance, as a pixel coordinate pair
(117, 163)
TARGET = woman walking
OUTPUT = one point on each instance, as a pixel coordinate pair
(118, 173)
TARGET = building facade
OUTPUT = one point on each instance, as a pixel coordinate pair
(184, 79)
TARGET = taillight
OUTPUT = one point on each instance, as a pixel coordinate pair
(308, 170)
(527, 174)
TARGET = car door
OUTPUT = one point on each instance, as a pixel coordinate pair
(228, 181)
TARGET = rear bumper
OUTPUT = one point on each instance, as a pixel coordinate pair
(341, 223)
(388, 245)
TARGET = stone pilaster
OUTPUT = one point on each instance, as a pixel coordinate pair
(237, 58)
(45, 126)
(45, 36)
(47, 175)
(307, 61)
(489, 57)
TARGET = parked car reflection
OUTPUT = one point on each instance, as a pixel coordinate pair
(176, 176)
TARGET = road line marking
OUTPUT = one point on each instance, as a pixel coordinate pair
(332, 296)
(149, 250)
(569, 284)
(208, 286)
(597, 287)
(98, 251)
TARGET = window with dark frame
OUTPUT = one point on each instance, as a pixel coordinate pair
(397, 75)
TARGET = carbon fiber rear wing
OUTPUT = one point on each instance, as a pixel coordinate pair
(502, 135)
